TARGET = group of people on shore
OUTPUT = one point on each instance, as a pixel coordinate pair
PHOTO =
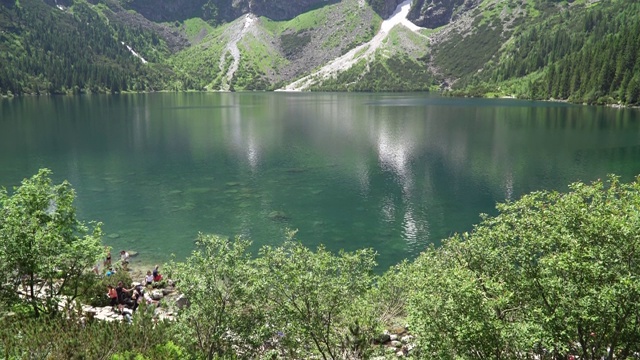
(153, 276)
(128, 300)
(107, 266)
(131, 298)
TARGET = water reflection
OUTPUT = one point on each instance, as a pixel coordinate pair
(394, 172)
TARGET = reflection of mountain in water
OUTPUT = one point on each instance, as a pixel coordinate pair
(390, 171)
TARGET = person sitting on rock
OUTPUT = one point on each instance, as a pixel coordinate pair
(126, 315)
(156, 274)
(136, 296)
(149, 278)
(110, 272)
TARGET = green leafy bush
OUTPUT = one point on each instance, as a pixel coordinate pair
(44, 248)
(224, 317)
(315, 300)
(553, 275)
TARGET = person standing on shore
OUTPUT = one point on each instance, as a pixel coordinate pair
(113, 296)
(123, 296)
(124, 259)
(107, 260)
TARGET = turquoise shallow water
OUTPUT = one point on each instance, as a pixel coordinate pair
(395, 172)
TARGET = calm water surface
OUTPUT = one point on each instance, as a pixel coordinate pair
(395, 172)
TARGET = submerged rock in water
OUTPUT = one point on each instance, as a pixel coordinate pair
(113, 236)
(278, 216)
(188, 206)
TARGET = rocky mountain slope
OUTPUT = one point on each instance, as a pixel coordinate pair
(474, 47)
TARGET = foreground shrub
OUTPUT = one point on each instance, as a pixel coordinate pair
(224, 318)
(72, 337)
(315, 301)
(44, 248)
(552, 275)
(388, 296)
(289, 303)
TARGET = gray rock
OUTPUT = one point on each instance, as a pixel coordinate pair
(406, 339)
(167, 291)
(432, 14)
(396, 343)
(182, 302)
(383, 338)
(393, 337)
(278, 216)
(156, 294)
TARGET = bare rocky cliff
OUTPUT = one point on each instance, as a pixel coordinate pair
(435, 13)
(384, 8)
(219, 11)
(424, 13)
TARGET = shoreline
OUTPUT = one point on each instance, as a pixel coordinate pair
(137, 268)
(442, 92)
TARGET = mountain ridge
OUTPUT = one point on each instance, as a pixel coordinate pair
(464, 46)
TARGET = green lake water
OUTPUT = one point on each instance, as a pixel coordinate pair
(395, 172)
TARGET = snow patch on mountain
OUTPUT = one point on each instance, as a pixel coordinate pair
(134, 53)
(364, 51)
(232, 48)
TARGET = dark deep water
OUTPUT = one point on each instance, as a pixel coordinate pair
(395, 172)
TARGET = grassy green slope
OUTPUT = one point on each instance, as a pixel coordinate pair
(202, 61)
(272, 52)
(398, 65)
(257, 62)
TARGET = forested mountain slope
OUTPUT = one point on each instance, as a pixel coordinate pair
(580, 53)
(581, 50)
(54, 49)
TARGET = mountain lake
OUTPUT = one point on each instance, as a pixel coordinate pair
(393, 171)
